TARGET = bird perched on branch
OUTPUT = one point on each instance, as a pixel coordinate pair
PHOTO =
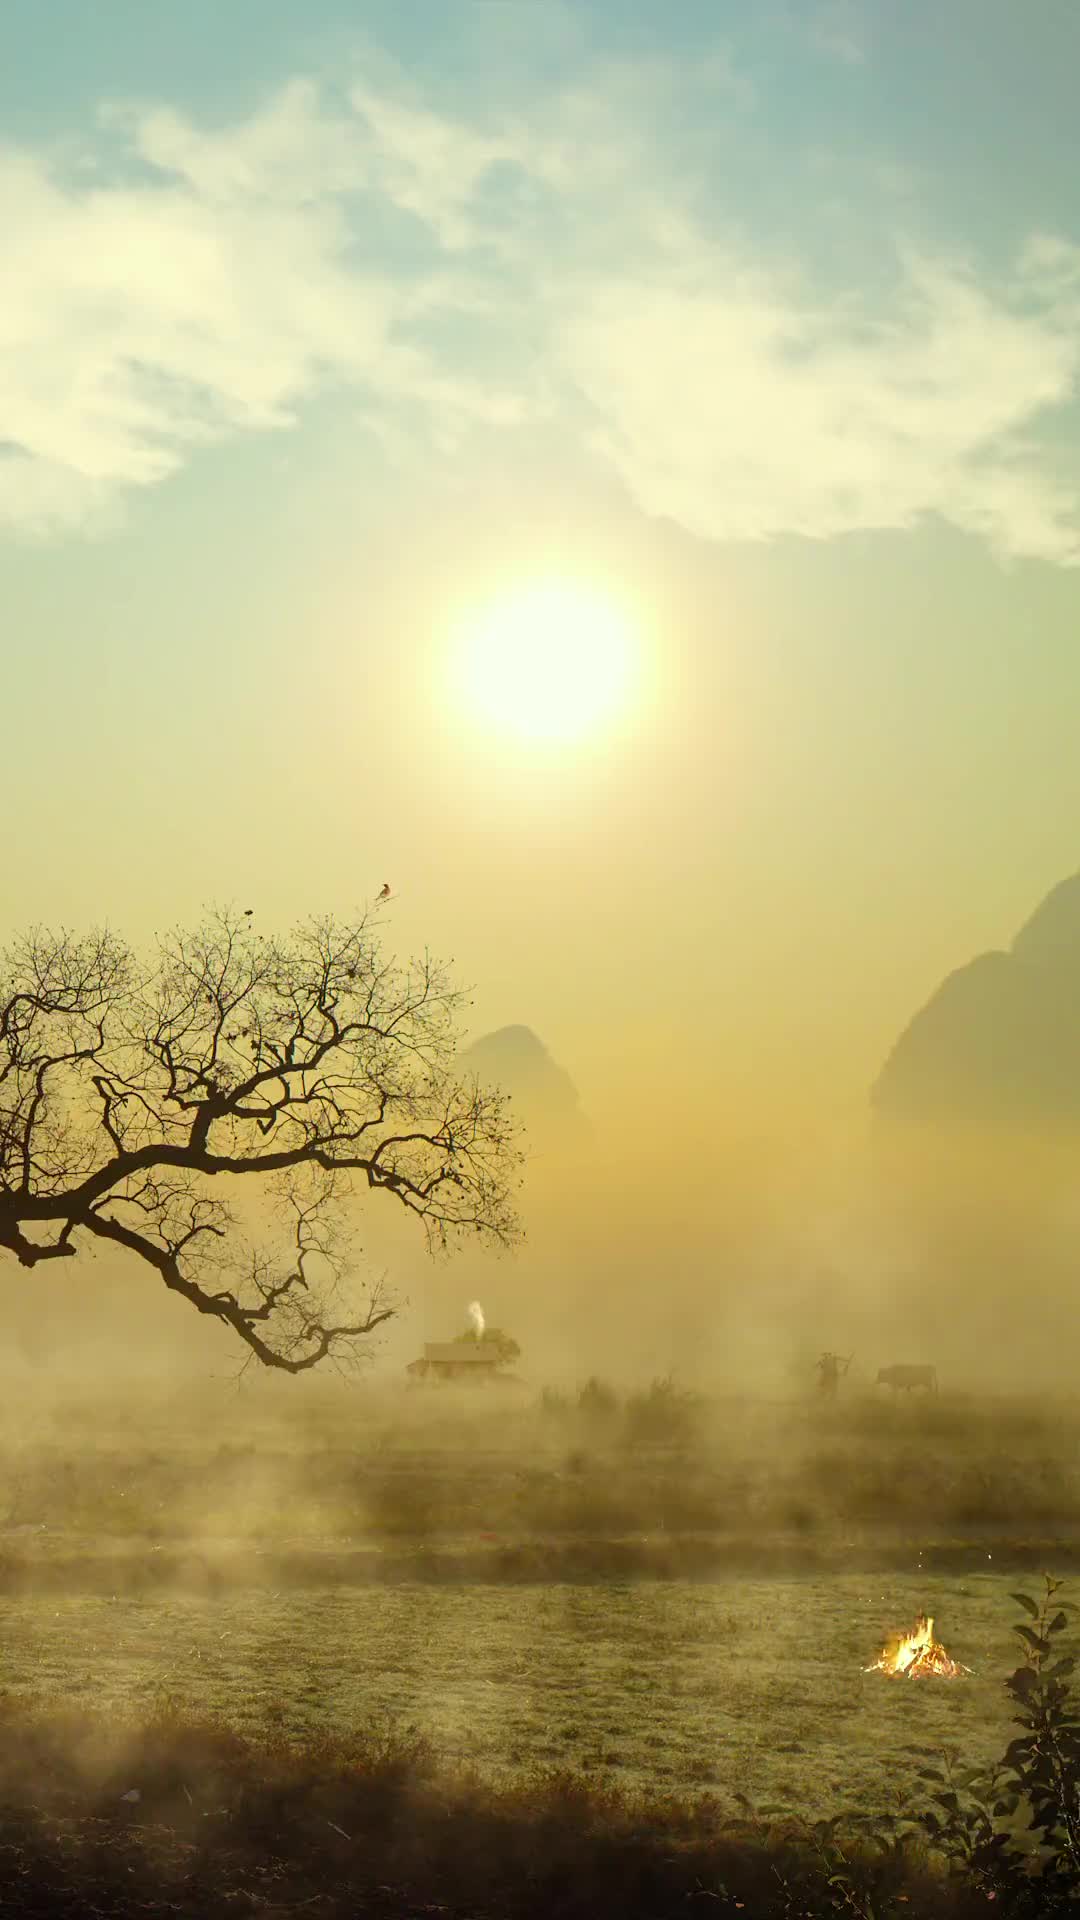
(385, 894)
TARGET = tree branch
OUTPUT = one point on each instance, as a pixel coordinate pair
(130, 1090)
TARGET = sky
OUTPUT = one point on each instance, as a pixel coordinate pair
(321, 326)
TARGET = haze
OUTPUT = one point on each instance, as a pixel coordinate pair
(575, 501)
(761, 332)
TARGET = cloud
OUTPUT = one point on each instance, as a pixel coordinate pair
(837, 28)
(743, 411)
(207, 292)
(578, 260)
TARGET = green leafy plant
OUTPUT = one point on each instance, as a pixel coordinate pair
(842, 1876)
(961, 1825)
(1033, 1864)
(1042, 1764)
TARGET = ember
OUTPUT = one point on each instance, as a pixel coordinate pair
(918, 1653)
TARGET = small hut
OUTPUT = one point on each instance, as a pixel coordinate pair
(481, 1353)
(457, 1360)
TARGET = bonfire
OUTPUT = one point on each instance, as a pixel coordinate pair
(917, 1653)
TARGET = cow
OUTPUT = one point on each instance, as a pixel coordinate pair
(907, 1378)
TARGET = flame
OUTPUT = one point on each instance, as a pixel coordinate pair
(917, 1652)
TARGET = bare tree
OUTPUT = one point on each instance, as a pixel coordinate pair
(134, 1098)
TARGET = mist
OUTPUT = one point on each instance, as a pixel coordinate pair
(539, 1014)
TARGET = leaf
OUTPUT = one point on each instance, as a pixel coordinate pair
(1033, 1640)
(1057, 1623)
(1024, 1600)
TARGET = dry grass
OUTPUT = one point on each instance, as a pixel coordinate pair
(453, 1467)
(224, 1825)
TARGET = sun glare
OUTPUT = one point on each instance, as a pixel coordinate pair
(553, 661)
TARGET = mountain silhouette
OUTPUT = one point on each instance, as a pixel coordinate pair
(998, 1044)
(515, 1060)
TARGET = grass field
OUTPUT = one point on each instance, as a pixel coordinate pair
(503, 1585)
(465, 1565)
(746, 1685)
(352, 1466)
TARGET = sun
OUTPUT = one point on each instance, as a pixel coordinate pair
(552, 661)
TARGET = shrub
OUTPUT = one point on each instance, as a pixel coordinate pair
(597, 1402)
(665, 1416)
(553, 1404)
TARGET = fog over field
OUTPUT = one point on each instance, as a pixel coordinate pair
(539, 959)
(934, 1232)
